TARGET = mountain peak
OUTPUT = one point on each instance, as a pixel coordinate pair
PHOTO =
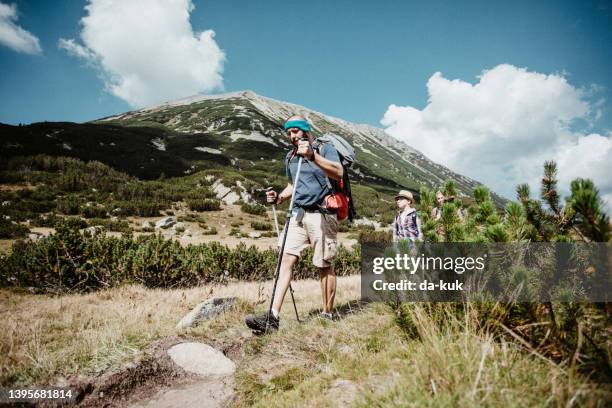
(227, 121)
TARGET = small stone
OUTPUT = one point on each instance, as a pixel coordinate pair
(165, 222)
(254, 234)
(93, 230)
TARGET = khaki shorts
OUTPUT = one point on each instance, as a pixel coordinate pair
(318, 230)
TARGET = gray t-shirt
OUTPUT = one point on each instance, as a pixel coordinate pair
(313, 185)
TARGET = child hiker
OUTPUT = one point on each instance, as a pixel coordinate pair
(407, 224)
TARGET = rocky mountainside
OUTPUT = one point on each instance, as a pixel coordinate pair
(240, 130)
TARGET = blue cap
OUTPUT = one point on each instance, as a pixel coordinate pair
(298, 123)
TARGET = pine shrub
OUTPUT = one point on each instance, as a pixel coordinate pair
(253, 208)
(204, 204)
(261, 226)
(69, 261)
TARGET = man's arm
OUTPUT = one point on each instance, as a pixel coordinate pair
(283, 196)
(332, 169)
(286, 193)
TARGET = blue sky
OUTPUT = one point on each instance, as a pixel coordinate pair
(351, 59)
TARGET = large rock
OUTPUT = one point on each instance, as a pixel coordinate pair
(231, 198)
(227, 195)
(220, 190)
(206, 310)
(165, 222)
(254, 234)
(201, 359)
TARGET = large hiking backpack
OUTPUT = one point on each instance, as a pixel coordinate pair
(342, 189)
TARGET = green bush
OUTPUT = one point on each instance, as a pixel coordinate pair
(8, 230)
(111, 225)
(69, 261)
(205, 204)
(254, 208)
(140, 207)
(261, 226)
(344, 227)
(191, 217)
(367, 236)
(210, 231)
(93, 211)
(68, 205)
(33, 206)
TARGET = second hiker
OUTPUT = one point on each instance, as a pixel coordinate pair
(407, 224)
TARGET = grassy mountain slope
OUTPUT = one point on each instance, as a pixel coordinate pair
(237, 130)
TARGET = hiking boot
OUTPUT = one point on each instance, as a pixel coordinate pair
(326, 316)
(258, 323)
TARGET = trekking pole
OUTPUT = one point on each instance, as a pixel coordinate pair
(275, 215)
(282, 248)
(297, 316)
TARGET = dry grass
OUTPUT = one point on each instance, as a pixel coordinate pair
(365, 359)
(43, 338)
(5, 245)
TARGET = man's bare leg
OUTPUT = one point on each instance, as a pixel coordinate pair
(284, 279)
(328, 287)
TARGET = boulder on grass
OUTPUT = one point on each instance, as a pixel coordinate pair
(206, 310)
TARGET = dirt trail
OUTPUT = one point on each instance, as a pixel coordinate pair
(213, 388)
(182, 371)
(210, 393)
(174, 372)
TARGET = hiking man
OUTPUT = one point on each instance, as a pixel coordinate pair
(407, 224)
(310, 223)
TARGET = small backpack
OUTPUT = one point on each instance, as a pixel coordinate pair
(341, 199)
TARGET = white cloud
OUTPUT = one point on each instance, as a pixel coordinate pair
(146, 50)
(77, 50)
(12, 35)
(502, 129)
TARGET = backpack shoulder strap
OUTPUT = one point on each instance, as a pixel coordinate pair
(288, 157)
(319, 144)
